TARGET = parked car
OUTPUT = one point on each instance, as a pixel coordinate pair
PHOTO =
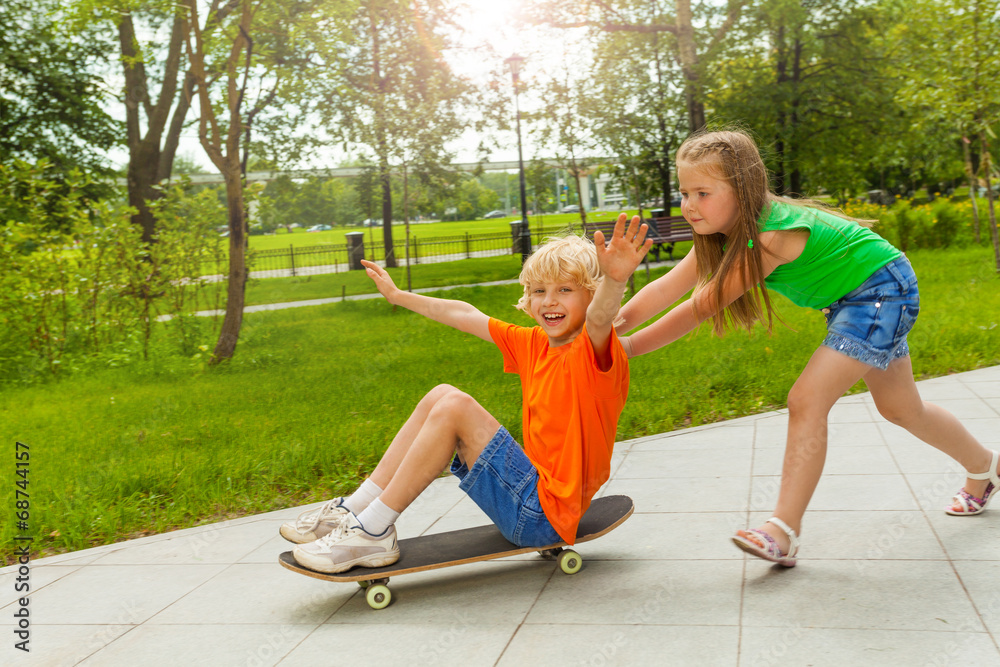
(372, 222)
(572, 208)
(319, 228)
(495, 214)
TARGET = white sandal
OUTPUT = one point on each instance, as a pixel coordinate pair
(971, 504)
(770, 549)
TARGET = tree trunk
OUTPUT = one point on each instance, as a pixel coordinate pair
(687, 53)
(229, 335)
(780, 79)
(984, 146)
(382, 147)
(971, 174)
(146, 163)
(224, 151)
(795, 178)
(390, 250)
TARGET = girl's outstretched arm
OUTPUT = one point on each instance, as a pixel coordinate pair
(456, 314)
(777, 248)
(658, 295)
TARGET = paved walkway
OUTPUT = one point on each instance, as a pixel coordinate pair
(886, 577)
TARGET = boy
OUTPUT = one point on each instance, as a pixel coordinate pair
(574, 388)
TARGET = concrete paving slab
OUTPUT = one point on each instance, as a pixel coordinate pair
(830, 647)
(375, 643)
(886, 595)
(884, 577)
(623, 644)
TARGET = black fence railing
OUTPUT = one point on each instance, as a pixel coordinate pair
(335, 257)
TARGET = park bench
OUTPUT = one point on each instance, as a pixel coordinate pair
(665, 232)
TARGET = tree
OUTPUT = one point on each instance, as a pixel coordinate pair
(814, 81)
(637, 109)
(565, 127)
(52, 98)
(695, 49)
(391, 92)
(152, 132)
(251, 44)
(961, 84)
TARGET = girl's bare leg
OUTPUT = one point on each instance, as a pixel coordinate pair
(826, 378)
(897, 399)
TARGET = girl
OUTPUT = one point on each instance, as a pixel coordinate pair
(745, 236)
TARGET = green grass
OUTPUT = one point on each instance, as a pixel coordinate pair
(314, 395)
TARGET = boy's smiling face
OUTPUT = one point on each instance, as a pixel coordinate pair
(560, 308)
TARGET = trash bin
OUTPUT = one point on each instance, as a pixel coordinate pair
(355, 250)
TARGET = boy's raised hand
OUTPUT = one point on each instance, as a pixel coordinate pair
(625, 251)
(381, 278)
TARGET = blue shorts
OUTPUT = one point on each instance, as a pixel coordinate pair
(504, 483)
(870, 323)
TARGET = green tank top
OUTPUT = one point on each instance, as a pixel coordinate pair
(838, 257)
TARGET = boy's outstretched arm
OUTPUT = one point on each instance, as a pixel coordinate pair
(621, 257)
(456, 314)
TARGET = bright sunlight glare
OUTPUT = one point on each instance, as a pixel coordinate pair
(489, 23)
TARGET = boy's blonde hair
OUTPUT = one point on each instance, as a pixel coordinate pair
(561, 258)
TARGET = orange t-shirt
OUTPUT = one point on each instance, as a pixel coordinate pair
(570, 414)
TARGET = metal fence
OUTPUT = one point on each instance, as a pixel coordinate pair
(335, 257)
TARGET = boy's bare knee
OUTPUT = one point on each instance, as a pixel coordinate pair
(449, 401)
(438, 392)
(457, 401)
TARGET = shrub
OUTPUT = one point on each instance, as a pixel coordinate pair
(90, 290)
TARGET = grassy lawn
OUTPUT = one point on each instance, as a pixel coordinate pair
(314, 396)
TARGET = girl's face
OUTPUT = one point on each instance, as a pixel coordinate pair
(707, 202)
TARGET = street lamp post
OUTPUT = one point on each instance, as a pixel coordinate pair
(524, 238)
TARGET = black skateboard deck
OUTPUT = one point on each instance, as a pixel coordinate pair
(470, 545)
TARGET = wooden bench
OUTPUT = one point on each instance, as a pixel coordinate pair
(665, 232)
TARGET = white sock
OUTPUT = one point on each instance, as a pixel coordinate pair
(377, 517)
(365, 494)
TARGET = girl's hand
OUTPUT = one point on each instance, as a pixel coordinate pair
(625, 251)
(626, 345)
(383, 283)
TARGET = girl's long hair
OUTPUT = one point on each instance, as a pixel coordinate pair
(732, 156)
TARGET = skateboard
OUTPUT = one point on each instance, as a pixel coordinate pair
(471, 545)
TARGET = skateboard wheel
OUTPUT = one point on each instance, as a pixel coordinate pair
(364, 584)
(379, 596)
(570, 561)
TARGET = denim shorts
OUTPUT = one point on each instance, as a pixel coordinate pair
(504, 483)
(870, 323)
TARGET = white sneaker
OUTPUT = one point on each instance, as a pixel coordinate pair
(316, 523)
(349, 545)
